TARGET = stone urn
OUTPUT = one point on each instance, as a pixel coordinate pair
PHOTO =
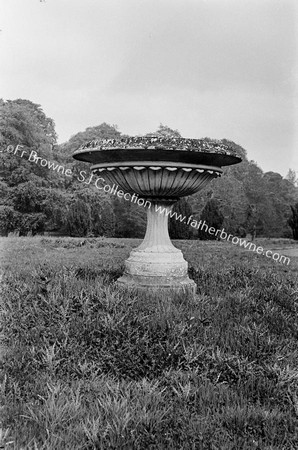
(154, 172)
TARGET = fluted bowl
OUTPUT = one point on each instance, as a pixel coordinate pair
(160, 170)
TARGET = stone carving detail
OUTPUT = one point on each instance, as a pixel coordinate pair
(160, 170)
(158, 181)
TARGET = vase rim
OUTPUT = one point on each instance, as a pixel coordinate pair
(157, 142)
(154, 157)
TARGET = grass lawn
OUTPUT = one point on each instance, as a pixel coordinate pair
(87, 366)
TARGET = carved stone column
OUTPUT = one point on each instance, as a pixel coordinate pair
(156, 263)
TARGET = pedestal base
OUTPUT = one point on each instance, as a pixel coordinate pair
(156, 269)
(157, 284)
(156, 265)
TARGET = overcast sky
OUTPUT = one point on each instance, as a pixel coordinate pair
(217, 68)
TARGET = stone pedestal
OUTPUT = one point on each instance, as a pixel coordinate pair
(162, 169)
(156, 264)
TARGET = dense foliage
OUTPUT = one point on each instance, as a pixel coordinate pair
(212, 217)
(46, 194)
(293, 221)
(177, 228)
(91, 367)
(56, 194)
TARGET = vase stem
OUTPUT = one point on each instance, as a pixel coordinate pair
(156, 263)
(157, 237)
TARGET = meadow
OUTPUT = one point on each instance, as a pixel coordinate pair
(85, 365)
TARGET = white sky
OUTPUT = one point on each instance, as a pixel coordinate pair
(217, 68)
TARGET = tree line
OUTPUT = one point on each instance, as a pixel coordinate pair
(35, 199)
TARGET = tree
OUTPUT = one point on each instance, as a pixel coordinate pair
(36, 207)
(292, 177)
(238, 149)
(165, 131)
(232, 202)
(102, 131)
(102, 217)
(24, 123)
(31, 224)
(180, 229)
(78, 222)
(40, 198)
(278, 194)
(213, 217)
(251, 219)
(24, 183)
(130, 219)
(293, 221)
(9, 220)
(28, 197)
(63, 152)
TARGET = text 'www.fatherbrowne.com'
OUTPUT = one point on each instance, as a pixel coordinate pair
(221, 234)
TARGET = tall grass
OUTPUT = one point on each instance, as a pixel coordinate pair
(89, 366)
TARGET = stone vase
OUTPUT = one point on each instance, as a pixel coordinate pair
(160, 178)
